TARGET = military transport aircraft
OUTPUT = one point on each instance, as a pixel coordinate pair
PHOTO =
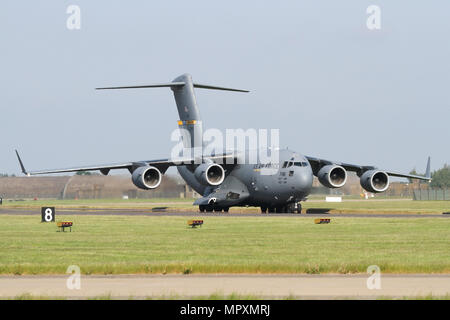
(224, 184)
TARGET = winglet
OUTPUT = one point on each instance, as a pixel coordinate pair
(24, 171)
(428, 171)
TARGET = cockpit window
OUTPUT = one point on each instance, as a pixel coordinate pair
(287, 164)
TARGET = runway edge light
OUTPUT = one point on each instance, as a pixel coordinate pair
(64, 224)
(322, 221)
(194, 223)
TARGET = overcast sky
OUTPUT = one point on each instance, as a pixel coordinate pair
(334, 88)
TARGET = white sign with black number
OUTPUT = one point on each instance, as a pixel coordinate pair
(48, 214)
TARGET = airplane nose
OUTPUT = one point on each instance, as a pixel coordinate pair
(305, 180)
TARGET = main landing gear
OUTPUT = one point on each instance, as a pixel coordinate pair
(289, 208)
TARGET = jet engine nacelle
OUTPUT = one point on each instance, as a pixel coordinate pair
(146, 177)
(332, 176)
(374, 181)
(210, 174)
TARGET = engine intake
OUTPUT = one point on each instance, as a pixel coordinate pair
(374, 181)
(146, 177)
(332, 176)
(210, 174)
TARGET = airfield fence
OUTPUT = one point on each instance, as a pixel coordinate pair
(431, 194)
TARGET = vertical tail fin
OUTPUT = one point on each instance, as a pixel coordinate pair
(428, 170)
(190, 121)
(183, 90)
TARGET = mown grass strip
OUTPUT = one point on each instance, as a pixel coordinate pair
(159, 245)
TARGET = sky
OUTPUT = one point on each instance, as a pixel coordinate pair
(334, 88)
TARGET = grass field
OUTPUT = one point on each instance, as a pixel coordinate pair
(143, 244)
(383, 206)
(101, 203)
(176, 204)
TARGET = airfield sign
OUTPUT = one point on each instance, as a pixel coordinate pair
(48, 214)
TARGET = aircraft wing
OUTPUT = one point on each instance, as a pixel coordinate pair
(317, 163)
(161, 164)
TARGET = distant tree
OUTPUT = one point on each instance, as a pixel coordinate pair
(441, 178)
(83, 173)
(413, 172)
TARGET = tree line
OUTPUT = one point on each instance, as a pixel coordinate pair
(439, 178)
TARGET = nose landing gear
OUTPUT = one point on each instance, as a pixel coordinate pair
(297, 207)
(211, 208)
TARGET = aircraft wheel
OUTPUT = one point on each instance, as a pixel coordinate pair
(280, 209)
(226, 209)
(209, 208)
(290, 208)
(263, 209)
(299, 208)
(201, 208)
(271, 209)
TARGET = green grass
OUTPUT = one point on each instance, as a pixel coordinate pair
(99, 203)
(382, 206)
(143, 244)
(176, 204)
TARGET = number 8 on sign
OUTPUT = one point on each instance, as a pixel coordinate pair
(47, 214)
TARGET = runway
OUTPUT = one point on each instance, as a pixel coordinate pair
(158, 212)
(191, 286)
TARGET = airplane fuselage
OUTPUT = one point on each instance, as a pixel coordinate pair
(264, 185)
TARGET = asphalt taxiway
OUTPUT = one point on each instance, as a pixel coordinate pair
(162, 212)
(264, 286)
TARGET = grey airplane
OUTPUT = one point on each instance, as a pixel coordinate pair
(224, 181)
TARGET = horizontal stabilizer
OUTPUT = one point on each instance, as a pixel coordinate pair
(174, 84)
(157, 85)
(204, 86)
